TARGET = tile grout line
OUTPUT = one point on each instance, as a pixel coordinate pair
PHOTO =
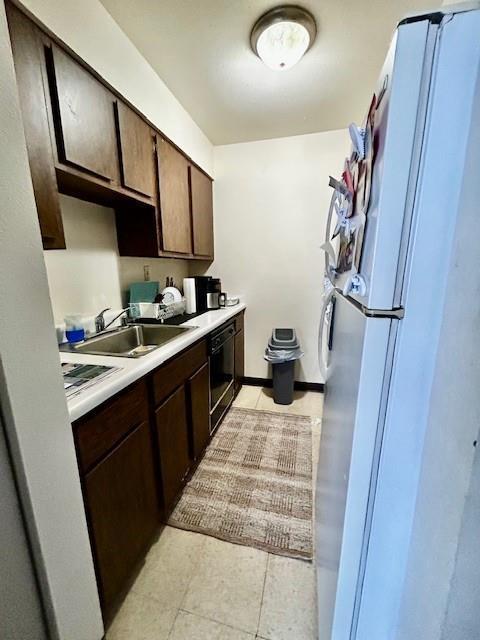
(258, 397)
(179, 608)
(187, 586)
(194, 571)
(263, 594)
(221, 624)
(173, 624)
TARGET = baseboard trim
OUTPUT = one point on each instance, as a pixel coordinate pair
(298, 385)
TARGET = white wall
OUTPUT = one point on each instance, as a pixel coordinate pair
(92, 33)
(32, 397)
(84, 278)
(90, 275)
(131, 270)
(271, 199)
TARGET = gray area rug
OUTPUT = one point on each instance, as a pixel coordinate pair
(254, 484)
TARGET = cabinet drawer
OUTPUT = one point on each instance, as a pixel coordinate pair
(96, 434)
(239, 322)
(175, 372)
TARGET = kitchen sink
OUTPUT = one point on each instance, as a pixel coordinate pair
(133, 341)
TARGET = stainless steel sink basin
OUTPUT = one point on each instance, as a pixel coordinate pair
(129, 342)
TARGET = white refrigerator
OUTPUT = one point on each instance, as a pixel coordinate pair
(387, 272)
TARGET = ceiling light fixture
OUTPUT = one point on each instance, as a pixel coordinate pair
(283, 35)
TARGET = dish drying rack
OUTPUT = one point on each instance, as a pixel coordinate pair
(156, 311)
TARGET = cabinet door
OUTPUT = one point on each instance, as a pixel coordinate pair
(122, 506)
(174, 199)
(85, 118)
(172, 434)
(29, 69)
(202, 213)
(199, 388)
(239, 359)
(136, 151)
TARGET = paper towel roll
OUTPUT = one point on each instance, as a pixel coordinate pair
(189, 293)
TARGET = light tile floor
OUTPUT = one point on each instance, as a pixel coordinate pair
(194, 587)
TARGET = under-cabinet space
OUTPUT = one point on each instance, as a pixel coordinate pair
(136, 149)
(122, 508)
(174, 199)
(202, 213)
(138, 232)
(171, 427)
(83, 111)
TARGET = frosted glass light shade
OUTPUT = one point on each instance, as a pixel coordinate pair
(282, 36)
(282, 44)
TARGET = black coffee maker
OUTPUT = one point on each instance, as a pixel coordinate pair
(201, 290)
(208, 292)
(215, 297)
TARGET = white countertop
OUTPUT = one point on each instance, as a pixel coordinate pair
(132, 369)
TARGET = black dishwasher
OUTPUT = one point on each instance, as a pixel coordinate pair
(221, 353)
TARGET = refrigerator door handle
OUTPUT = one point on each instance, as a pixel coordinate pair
(326, 304)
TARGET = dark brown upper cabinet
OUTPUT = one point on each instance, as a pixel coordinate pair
(85, 120)
(174, 199)
(30, 69)
(84, 140)
(136, 147)
(202, 213)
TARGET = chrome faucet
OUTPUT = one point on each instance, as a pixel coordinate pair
(100, 320)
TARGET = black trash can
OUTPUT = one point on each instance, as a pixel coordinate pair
(282, 351)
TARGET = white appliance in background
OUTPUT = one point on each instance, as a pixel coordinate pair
(190, 296)
(383, 306)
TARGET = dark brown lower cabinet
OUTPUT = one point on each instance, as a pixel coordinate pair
(122, 508)
(199, 392)
(239, 366)
(172, 434)
(134, 453)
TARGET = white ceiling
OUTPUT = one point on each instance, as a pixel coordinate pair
(201, 50)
